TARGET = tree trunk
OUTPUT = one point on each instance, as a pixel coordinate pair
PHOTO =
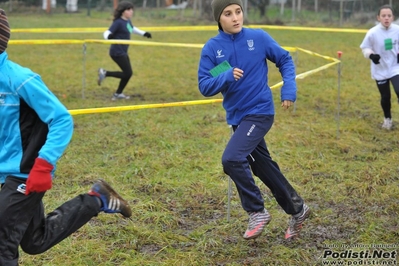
(206, 10)
(102, 5)
(245, 7)
(341, 11)
(262, 10)
(194, 7)
(261, 5)
(293, 10)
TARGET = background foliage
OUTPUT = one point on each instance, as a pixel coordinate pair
(316, 12)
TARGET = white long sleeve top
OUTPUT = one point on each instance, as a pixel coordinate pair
(385, 42)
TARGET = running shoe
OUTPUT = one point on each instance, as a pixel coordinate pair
(120, 96)
(296, 222)
(256, 224)
(111, 201)
(387, 123)
(101, 76)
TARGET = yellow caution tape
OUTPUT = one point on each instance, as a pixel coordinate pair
(46, 42)
(185, 28)
(147, 43)
(128, 42)
(316, 54)
(138, 107)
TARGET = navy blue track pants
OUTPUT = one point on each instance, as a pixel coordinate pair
(247, 150)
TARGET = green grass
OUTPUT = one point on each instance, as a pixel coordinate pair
(166, 162)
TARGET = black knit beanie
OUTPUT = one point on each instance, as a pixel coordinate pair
(4, 31)
(219, 5)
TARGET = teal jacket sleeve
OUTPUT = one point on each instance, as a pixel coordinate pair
(52, 112)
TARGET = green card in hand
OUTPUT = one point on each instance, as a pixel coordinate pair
(222, 67)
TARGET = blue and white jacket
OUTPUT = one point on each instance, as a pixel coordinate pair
(33, 122)
(247, 50)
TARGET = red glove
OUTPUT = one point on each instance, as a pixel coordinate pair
(39, 179)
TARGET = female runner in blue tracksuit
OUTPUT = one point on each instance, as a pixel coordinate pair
(234, 64)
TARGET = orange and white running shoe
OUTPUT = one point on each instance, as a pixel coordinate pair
(256, 224)
(296, 222)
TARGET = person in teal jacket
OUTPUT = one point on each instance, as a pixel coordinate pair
(234, 63)
(35, 130)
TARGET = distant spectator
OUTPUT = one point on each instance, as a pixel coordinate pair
(234, 63)
(35, 129)
(121, 29)
(381, 46)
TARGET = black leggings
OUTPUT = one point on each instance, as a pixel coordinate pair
(24, 224)
(124, 63)
(385, 91)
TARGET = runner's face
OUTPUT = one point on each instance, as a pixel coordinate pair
(385, 17)
(231, 19)
(128, 13)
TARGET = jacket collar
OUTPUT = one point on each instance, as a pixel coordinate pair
(3, 58)
(231, 36)
(383, 27)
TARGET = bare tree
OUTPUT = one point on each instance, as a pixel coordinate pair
(261, 5)
(293, 10)
(102, 5)
(282, 3)
(206, 9)
(197, 5)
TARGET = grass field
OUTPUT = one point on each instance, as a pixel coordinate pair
(166, 162)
